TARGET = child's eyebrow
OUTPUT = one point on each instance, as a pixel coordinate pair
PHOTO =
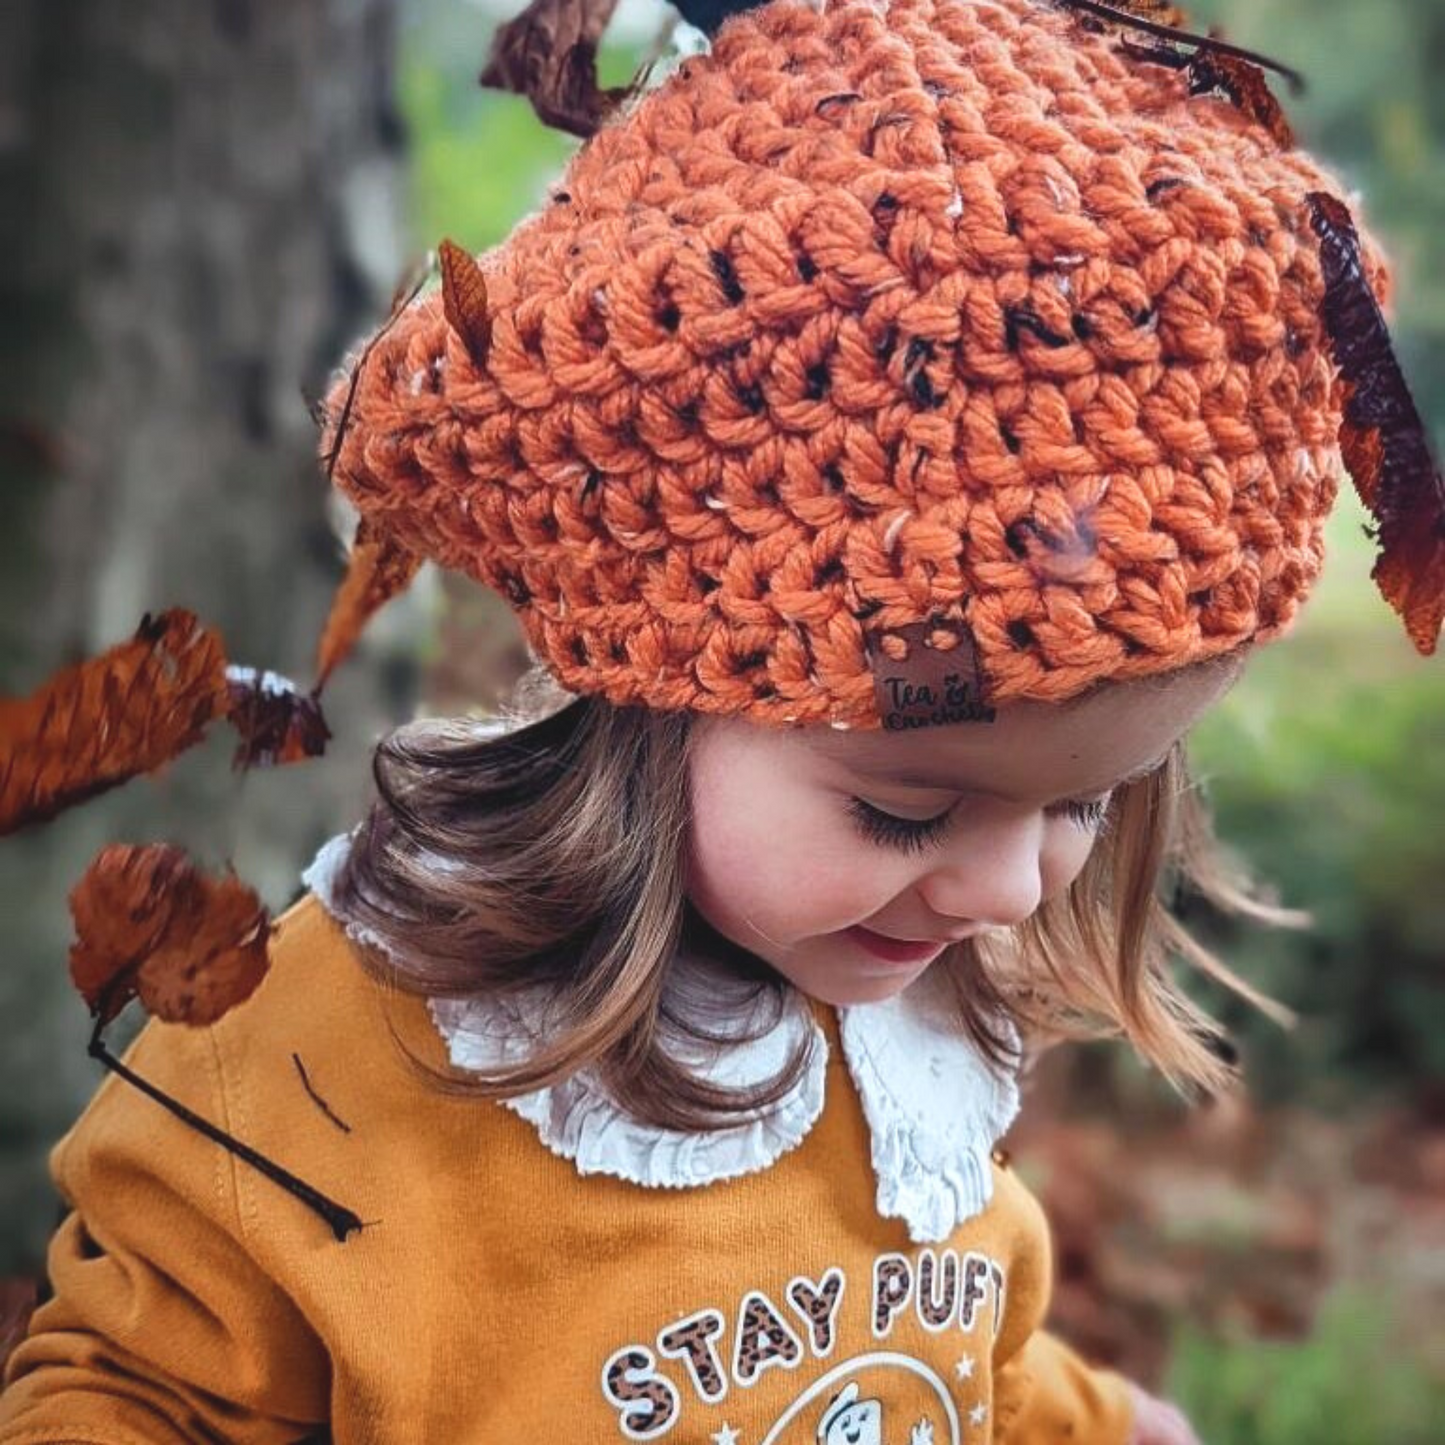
(923, 778)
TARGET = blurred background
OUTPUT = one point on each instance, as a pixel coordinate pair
(204, 203)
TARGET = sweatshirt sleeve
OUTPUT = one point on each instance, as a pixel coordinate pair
(1044, 1393)
(163, 1327)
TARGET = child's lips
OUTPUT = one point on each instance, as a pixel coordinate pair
(896, 950)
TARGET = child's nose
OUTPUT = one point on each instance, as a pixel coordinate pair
(991, 875)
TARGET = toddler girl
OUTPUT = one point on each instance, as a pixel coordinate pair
(892, 434)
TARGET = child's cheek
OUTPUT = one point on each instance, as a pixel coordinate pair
(1064, 858)
(836, 872)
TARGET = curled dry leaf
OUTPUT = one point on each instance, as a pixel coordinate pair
(1160, 12)
(1152, 17)
(549, 54)
(121, 907)
(277, 723)
(464, 300)
(1243, 83)
(109, 718)
(1167, 23)
(149, 924)
(1384, 443)
(380, 568)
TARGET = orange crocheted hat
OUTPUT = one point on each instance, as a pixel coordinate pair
(957, 323)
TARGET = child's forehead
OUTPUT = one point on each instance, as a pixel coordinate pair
(1117, 731)
(932, 757)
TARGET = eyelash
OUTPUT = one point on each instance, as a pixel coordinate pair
(1090, 816)
(913, 835)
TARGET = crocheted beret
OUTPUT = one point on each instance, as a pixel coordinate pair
(955, 325)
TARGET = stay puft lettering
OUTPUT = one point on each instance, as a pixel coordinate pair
(707, 1353)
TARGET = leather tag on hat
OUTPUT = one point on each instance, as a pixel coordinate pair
(927, 675)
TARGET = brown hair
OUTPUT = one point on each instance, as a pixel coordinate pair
(545, 852)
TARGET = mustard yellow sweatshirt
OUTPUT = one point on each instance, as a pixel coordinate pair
(495, 1294)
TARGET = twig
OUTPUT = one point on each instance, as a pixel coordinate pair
(1186, 37)
(317, 1099)
(399, 302)
(341, 1219)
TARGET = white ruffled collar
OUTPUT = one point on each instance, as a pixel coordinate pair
(935, 1106)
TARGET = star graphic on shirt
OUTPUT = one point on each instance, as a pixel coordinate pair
(964, 1368)
(726, 1436)
(978, 1414)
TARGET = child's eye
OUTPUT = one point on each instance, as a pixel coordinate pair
(912, 835)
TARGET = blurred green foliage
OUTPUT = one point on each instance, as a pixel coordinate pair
(478, 159)
(1327, 769)
(1353, 1382)
(1327, 765)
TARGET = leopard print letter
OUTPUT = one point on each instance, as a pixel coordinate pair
(892, 1284)
(764, 1339)
(691, 1340)
(977, 1271)
(648, 1401)
(818, 1305)
(936, 1306)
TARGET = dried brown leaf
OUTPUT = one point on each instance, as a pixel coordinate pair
(464, 300)
(120, 908)
(215, 961)
(1383, 440)
(1167, 23)
(109, 718)
(1158, 11)
(1243, 83)
(380, 568)
(149, 924)
(277, 723)
(1152, 17)
(549, 54)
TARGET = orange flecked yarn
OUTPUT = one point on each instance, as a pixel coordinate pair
(949, 312)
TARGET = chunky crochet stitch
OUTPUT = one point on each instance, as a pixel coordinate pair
(953, 313)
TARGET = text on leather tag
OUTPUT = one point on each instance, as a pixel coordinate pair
(927, 675)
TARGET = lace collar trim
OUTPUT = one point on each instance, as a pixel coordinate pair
(935, 1106)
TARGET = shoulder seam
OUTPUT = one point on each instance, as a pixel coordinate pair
(232, 1120)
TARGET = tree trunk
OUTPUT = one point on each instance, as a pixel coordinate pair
(197, 215)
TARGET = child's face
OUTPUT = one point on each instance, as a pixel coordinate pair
(780, 863)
